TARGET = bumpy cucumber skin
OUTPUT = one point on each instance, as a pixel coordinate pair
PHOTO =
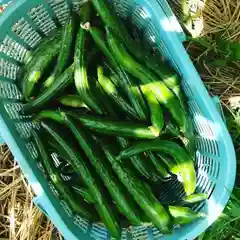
(151, 82)
(80, 66)
(77, 205)
(109, 87)
(141, 193)
(38, 64)
(124, 80)
(65, 52)
(183, 215)
(184, 166)
(93, 184)
(64, 80)
(95, 155)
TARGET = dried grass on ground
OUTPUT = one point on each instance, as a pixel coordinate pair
(19, 217)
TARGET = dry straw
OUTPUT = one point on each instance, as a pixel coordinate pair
(19, 217)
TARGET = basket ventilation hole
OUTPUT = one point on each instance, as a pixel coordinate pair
(8, 70)
(156, 233)
(9, 91)
(122, 8)
(98, 231)
(13, 49)
(24, 31)
(24, 129)
(32, 150)
(42, 19)
(171, 191)
(61, 10)
(207, 172)
(77, 4)
(81, 223)
(66, 208)
(139, 232)
(207, 146)
(13, 109)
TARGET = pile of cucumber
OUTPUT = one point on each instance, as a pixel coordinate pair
(114, 116)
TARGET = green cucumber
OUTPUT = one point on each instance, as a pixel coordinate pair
(195, 198)
(185, 165)
(123, 201)
(114, 23)
(78, 205)
(156, 112)
(137, 92)
(116, 128)
(74, 101)
(184, 215)
(109, 87)
(104, 125)
(99, 38)
(150, 81)
(32, 55)
(168, 161)
(140, 192)
(158, 165)
(65, 52)
(64, 80)
(143, 167)
(80, 67)
(124, 81)
(91, 181)
(84, 193)
(39, 64)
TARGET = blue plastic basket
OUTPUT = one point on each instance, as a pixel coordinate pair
(22, 26)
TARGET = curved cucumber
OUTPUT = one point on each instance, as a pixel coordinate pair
(151, 82)
(65, 79)
(185, 165)
(143, 167)
(91, 181)
(183, 215)
(74, 101)
(80, 67)
(95, 155)
(195, 198)
(109, 87)
(140, 192)
(157, 118)
(124, 80)
(65, 51)
(84, 193)
(39, 64)
(77, 205)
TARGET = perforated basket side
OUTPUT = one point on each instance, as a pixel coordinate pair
(23, 25)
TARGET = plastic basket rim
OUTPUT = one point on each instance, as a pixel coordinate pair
(33, 178)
